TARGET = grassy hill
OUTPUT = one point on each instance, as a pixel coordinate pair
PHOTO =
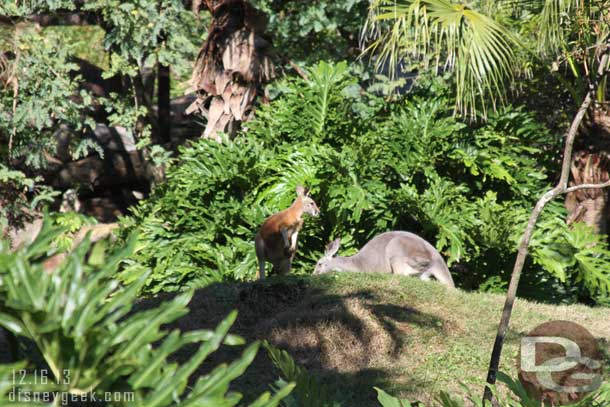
(410, 337)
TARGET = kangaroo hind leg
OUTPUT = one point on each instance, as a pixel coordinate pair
(426, 275)
(260, 273)
(259, 246)
(285, 265)
(400, 265)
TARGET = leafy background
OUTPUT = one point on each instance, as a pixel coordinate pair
(374, 163)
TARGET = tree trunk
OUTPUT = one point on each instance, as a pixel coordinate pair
(232, 67)
(589, 205)
(163, 102)
(591, 165)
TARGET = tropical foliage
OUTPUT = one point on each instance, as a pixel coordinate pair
(380, 151)
(487, 45)
(47, 90)
(307, 32)
(448, 36)
(44, 100)
(372, 166)
(86, 334)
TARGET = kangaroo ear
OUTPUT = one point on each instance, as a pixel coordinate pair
(332, 247)
(306, 192)
(300, 190)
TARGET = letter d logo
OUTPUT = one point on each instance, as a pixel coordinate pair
(559, 362)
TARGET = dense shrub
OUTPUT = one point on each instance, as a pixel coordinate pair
(373, 164)
(309, 31)
(42, 85)
(45, 99)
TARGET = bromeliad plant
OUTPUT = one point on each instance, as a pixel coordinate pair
(81, 322)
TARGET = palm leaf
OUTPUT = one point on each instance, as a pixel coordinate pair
(446, 36)
(552, 19)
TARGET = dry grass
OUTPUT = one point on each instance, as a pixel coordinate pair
(357, 331)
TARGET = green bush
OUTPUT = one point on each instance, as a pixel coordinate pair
(305, 31)
(81, 322)
(15, 207)
(47, 97)
(373, 164)
(41, 85)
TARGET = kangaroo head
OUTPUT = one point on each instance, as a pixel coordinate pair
(309, 205)
(324, 265)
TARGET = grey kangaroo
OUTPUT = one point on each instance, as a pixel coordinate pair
(390, 252)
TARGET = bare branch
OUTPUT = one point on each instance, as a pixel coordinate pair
(586, 186)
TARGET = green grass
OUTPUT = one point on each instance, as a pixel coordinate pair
(410, 337)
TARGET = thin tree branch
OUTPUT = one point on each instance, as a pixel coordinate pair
(561, 188)
(587, 186)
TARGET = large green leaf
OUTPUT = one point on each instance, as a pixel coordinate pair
(389, 401)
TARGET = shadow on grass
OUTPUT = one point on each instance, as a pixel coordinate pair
(351, 340)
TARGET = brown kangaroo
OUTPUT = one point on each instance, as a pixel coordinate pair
(276, 241)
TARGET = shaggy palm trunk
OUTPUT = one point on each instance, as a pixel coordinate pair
(592, 206)
(232, 67)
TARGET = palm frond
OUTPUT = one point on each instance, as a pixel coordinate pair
(449, 37)
(552, 23)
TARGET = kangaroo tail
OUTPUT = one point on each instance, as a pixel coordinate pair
(440, 271)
